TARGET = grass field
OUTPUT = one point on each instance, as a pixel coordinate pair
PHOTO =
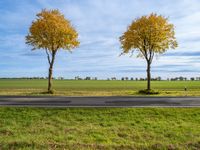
(97, 88)
(100, 128)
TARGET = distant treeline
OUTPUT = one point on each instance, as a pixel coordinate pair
(114, 78)
(143, 79)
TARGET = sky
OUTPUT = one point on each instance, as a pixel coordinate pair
(99, 23)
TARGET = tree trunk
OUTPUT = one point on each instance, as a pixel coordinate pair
(51, 72)
(148, 77)
(50, 78)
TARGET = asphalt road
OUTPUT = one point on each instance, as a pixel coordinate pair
(41, 101)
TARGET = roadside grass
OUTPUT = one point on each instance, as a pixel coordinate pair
(97, 88)
(42, 92)
(99, 128)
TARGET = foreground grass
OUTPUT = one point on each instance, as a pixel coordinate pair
(100, 128)
(97, 88)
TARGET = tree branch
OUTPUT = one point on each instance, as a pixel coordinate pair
(151, 58)
(144, 52)
(48, 57)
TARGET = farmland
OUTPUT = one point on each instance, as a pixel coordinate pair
(97, 88)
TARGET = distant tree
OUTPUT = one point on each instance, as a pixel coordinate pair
(122, 78)
(159, 78)
(192, 79)
(76, 78)
(51, 32)
(142, 79)
(88, 78)
(149, 35)
(132, 79)
(113, 78)
(60, 78)
(181, 78)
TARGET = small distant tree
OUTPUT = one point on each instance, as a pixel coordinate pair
(192, 78)
(181, 78)
(159, 78)
(52, 32)
(113, 78)
(88, 78)
(76, 78)
(149, 35)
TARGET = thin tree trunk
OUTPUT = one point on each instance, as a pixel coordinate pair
(148, 77)
(50, 79)
(51, 72)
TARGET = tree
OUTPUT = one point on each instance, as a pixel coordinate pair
(88, 78)
(192, 79)
(149, 35)
(52, 32)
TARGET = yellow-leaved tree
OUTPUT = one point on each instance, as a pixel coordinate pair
(52, 32)
(149, 35)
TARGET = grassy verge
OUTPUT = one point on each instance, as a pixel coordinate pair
(42, 92)
(102, 128)
(98, 88)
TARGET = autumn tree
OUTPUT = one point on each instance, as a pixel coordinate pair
(149, 35)
(51, 32)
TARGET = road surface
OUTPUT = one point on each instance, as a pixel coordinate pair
(50, 101)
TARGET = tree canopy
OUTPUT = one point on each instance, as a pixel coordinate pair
(149, 35)
(52, 31)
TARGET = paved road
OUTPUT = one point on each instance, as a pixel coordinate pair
(40, 101)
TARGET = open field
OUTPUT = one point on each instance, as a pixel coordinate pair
(97, 88)
(102, 128)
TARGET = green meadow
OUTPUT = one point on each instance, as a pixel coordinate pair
(100, 128)
(97, 88)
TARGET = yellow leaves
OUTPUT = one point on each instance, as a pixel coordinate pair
(149, 34)
(52, 31)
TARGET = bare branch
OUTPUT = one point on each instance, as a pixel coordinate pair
(48, 57)
(144, 51)
(152, 55)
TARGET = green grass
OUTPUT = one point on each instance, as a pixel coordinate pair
(97, 88)
(102, 128)
(99, 128)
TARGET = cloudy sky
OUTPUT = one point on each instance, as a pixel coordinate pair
(100, 23)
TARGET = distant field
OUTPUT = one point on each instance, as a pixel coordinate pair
(100, 128)
(96, 88)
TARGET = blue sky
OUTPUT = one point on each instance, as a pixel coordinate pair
(100, 23)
